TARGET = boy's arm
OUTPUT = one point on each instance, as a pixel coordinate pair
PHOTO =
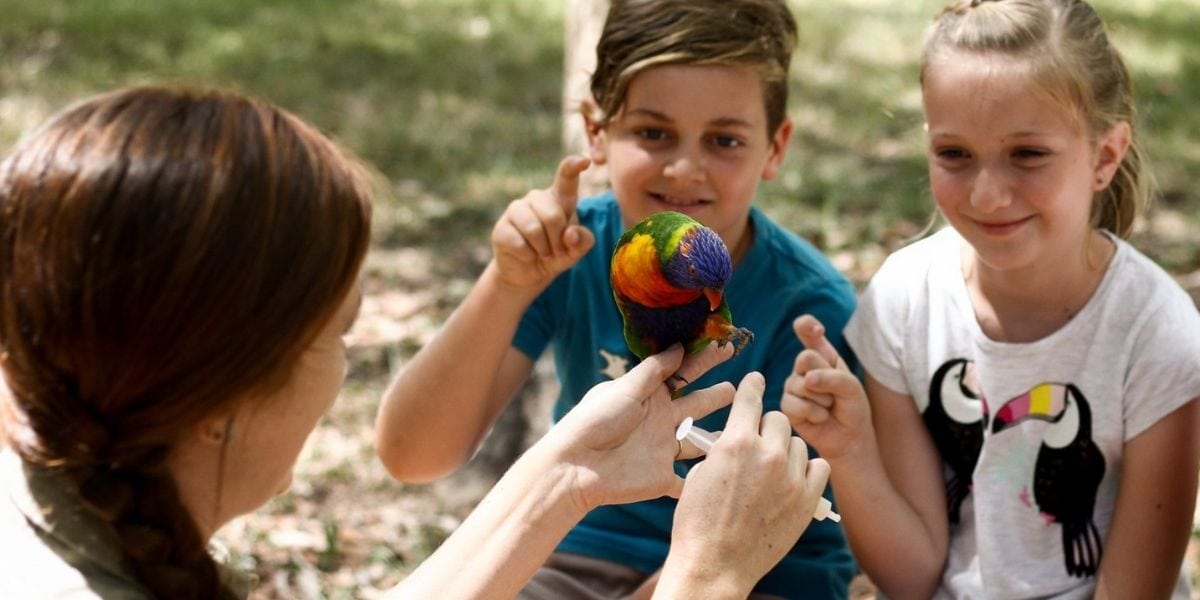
(445, 399)
(885, 471)
(1154, 510)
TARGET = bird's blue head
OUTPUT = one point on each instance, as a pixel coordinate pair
(701, 262)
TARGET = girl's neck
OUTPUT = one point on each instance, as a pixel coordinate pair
(1029, 304)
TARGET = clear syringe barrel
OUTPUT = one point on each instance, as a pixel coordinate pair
(704, 440)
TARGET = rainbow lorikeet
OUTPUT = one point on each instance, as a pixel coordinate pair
(668, 278)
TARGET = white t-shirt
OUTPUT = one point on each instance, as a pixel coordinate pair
(1031, 434)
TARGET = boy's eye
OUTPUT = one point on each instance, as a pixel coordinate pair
(950, 153)
(725, 141)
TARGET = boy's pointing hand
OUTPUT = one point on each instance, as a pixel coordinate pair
(539, 235)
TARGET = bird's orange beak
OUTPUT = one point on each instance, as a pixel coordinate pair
(715, 297)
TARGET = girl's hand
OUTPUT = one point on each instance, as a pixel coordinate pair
(620, 438)
(824, 401)
(538, 236)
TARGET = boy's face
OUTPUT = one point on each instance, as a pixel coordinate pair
(693, 139)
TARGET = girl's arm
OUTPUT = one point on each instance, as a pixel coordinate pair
(885, 471)
(892, 499)
(1154, 511)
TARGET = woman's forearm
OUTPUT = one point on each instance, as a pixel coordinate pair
(508, 536)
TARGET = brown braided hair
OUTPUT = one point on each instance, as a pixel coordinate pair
(1066, 46)
(639, 34)
(163, 254)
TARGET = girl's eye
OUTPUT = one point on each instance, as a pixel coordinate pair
(652, 134)
(1030, 153)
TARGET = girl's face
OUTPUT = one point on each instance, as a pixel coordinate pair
(1012, 170)
(692, 139)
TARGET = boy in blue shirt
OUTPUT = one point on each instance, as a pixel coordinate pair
(688, 112)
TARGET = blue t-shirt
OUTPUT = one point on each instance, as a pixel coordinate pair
(780, 278)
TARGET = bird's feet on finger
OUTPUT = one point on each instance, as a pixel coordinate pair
(675, 383)
(739, 337)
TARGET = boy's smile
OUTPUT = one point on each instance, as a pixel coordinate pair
(693, 139)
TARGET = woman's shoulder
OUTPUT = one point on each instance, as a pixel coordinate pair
(49, 549)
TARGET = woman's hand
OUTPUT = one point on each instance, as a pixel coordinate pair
(620, 438)
(744, 506)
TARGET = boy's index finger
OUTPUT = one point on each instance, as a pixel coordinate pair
(812, 334)
(566, 181)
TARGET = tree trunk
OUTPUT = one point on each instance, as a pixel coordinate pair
(584, 20)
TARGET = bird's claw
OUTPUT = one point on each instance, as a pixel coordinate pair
(739, 337)
(675, 383)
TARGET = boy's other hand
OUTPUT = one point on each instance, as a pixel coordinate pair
(824, 401)
(539, 235)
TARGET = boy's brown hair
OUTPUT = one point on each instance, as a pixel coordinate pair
(639, 34)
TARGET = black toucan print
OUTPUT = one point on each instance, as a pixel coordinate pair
(955, 418)
(1068, 468)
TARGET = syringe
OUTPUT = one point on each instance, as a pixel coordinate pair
(704, 441)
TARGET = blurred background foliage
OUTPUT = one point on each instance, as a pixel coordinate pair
(457, 104)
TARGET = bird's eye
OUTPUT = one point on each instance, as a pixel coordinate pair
(692, 270)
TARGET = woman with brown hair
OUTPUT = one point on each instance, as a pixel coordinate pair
(177, 270)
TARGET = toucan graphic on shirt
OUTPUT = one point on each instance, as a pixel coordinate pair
(955, 419)
(1068, 468)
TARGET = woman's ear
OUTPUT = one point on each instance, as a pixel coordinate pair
(597, 137)
(1110, 151)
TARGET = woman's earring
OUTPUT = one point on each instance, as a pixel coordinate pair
(221, 435)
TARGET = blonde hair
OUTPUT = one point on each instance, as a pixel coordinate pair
(1065, 44)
